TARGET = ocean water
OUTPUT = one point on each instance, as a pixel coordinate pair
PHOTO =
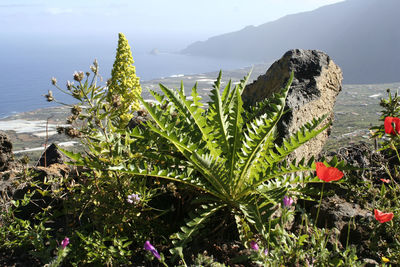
(28, 64)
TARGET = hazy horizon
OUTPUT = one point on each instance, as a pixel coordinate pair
(169, 25)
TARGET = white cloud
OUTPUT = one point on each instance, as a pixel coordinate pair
(58, 10)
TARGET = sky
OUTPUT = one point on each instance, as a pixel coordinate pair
(172, 21)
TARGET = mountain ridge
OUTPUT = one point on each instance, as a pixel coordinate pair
(361, 36)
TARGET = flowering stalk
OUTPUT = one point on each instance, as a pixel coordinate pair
(62, 253)
(124, 88)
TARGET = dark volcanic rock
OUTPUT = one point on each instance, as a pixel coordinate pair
(337, 213)
(316, 84)
(51, 156)
(6, 156)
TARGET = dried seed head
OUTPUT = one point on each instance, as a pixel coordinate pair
(171, 187)
(72, 132)
(53, 81)
(142, 112)
(87, 74)
(95, 67)
(78, 76)
(116, 101)
(71, 119)
(60, 130)
(69, 85)
(76, 110)
(49, 96)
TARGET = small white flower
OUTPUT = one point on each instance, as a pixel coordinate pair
(134, 198)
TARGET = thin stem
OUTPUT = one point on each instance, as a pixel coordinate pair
(62, 90)
(348, 233)
(269, 233)
(320, 201)
(61, 103)
(395, 149)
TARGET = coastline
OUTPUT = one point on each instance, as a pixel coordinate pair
(357, 108)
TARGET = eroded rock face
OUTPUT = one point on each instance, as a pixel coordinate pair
(317, 82)
(6, 156)
(51, 156)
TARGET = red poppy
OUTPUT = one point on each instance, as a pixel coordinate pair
(389, 121)
(385, 180)
(328, 174)
(383, 217)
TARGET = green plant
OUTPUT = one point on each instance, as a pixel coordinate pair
(225, 151)
(385, 240)
(31, 236)
(100, 248)
(208, 261)
(391, 108)
(99, 200)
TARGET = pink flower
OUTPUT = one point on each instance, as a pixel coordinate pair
(148, 246)
(254, 245)
(385, 180)
(65, 243)
(287, 201)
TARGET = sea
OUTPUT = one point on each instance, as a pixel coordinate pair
(27, 65)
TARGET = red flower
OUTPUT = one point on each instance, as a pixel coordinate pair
(328, 174)
(389, 121)
(385, 180)
(383, 217)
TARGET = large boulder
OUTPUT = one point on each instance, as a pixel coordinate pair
(6, 155)
(317, 82)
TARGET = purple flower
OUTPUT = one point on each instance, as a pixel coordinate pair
(266, 252)
(254, 245)
(287, 201)
(134, 198)
(148, 246)
(65, 243)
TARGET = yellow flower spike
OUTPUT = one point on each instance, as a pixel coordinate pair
(385, 260)
(124, 81)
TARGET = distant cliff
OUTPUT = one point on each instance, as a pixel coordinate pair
(362, 36)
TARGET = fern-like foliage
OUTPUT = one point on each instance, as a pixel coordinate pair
(225, 151)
